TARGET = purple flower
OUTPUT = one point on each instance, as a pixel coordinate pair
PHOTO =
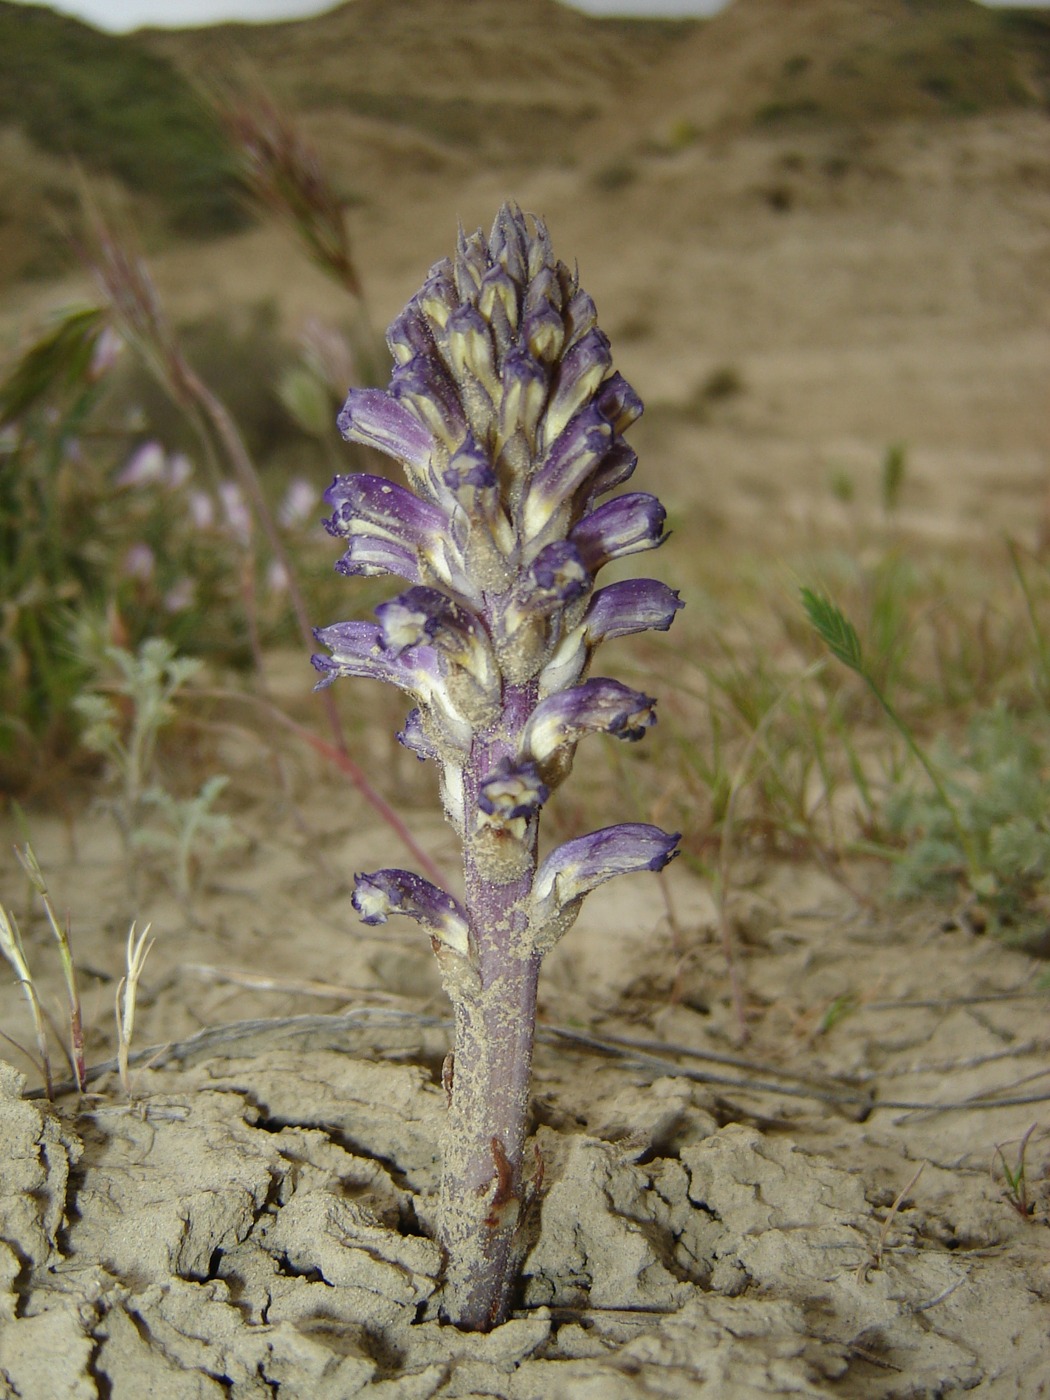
(575, 868)
(470, 467)
(202, 510)
(423, 390)
(387, 892)
(145, 467)
(374, 419)
(139, 563)
(635, 605)
(414, 737)
(426, 616)
(367, 557)
(572, 459)
(512, 790)
(524, 395)
(624, 525)
(237, 515)
(390, 530)
(554, 579)
(298, 504)
(180, 469)
(467, 341)
(276, 578)
(180, 596)
(577, 378)
(357, 649)
(617, 467)
(597, 706)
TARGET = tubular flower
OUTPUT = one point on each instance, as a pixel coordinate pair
(387, 892)
(508, 420)
(575, 868)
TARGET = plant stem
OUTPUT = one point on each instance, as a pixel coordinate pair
(964, 837)
(483, 1179)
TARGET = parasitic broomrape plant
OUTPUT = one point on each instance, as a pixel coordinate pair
(508, 419)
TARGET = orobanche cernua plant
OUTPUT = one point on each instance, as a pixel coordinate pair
(508, 419)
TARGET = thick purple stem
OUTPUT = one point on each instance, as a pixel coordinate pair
(482, 1184)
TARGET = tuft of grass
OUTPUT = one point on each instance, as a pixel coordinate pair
(13, 949)
(1016, 1192)
(137, 950)
(29, 863)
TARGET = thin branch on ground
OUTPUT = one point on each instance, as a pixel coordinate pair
(206, 1043)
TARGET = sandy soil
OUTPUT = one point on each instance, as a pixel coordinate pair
(257, 1222)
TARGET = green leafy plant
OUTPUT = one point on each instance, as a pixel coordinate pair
(123, 716)
(840, 637)
(1016, 1192)
(190, 826)
(49, 564)
(1001, 803)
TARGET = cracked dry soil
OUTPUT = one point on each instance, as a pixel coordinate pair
(259, 1222)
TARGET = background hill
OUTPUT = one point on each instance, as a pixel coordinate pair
(849, 61)
(496, 78)
(69, 93)
(391, 88)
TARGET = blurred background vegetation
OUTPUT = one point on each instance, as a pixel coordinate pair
(160, 470)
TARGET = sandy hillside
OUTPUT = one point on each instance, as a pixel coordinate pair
(259, 1223)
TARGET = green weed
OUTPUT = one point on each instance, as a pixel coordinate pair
(999, 837)
(132, 699)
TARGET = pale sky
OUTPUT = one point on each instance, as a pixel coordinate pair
(121, 15)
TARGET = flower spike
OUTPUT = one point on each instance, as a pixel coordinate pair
(508, 418)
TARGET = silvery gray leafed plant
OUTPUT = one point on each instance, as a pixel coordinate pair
(508, 419)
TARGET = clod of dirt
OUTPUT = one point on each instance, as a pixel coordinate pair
(252, 1228)
(37, 1156)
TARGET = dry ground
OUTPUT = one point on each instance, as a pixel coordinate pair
(257, 1223)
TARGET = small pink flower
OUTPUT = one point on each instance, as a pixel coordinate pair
(277, 578)
(145, 466)
(180, 469)
(238, 517)
(139, 563)
(104, 356)
(202, 510)
(180, 596)
(299, 501)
